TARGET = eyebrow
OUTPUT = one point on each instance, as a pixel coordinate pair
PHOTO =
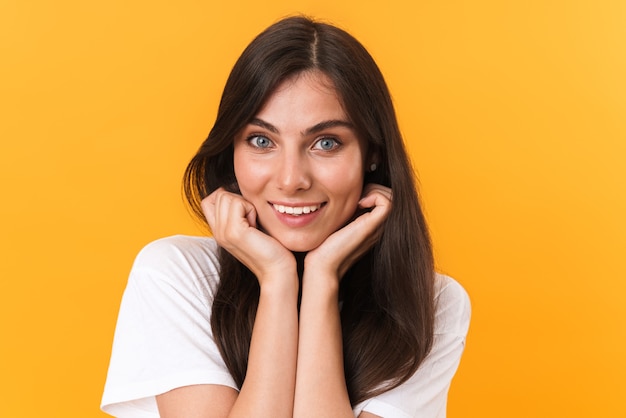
(318, 127)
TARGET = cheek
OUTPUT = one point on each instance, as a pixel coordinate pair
(247, 184)
(253, 181)
(347, 187)
(348, 181)
(246, 173)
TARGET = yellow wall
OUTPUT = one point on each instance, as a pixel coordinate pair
(515, 115)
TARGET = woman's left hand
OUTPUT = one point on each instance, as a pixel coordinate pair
(344, 247)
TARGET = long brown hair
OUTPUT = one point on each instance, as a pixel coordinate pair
(388, 309)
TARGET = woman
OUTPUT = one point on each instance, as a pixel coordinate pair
(316, 295)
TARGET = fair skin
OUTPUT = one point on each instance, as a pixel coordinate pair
(300, 167)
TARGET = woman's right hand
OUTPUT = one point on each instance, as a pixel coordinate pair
(270, 376)
(232, 220)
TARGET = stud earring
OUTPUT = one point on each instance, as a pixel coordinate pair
(373, 167)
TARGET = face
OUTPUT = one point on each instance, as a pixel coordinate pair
(301, 163)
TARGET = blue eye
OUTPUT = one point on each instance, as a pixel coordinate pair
(327, 144)
(259, 141)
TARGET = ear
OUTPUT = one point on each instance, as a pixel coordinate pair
(372, 161)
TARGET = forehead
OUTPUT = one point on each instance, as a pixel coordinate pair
(310, 92)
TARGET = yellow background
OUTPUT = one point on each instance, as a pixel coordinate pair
(515, 115)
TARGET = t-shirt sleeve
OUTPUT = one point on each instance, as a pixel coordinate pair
(425, 394)
(163, 336)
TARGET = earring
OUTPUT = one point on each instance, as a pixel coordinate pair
(373, 167)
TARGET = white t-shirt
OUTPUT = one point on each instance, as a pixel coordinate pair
(163, 338)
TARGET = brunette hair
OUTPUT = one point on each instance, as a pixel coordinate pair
(388, 297)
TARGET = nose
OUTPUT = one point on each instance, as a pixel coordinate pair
(293, 172)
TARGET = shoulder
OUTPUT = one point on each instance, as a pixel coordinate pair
(177, 248)
(452, 306)
(425, 393)
(163, 338)
(179, 259)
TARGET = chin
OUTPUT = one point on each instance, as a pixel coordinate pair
(299, 245)
(299, 248)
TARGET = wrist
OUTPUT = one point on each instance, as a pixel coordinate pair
(279, 283)
(321, 284)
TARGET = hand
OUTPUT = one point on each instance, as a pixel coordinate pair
(232, 220)
(344, 247)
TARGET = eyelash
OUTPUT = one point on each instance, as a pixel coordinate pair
(328, 138)
(251, 140)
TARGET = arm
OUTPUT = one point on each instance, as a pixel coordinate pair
(320, 384)
(270, 380)
(269, 385)
(321, 387)
(320, 357)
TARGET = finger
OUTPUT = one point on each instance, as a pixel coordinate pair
(376, 196)
(234, 215)
(208, 207)
(372, 188)
(250, 211)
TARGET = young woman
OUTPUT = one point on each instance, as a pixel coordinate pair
(316, 296)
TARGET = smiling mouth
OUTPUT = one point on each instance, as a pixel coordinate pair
(296, 210)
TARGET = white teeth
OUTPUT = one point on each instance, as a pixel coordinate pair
(295, 210)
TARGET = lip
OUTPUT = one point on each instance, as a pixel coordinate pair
(300, 220)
